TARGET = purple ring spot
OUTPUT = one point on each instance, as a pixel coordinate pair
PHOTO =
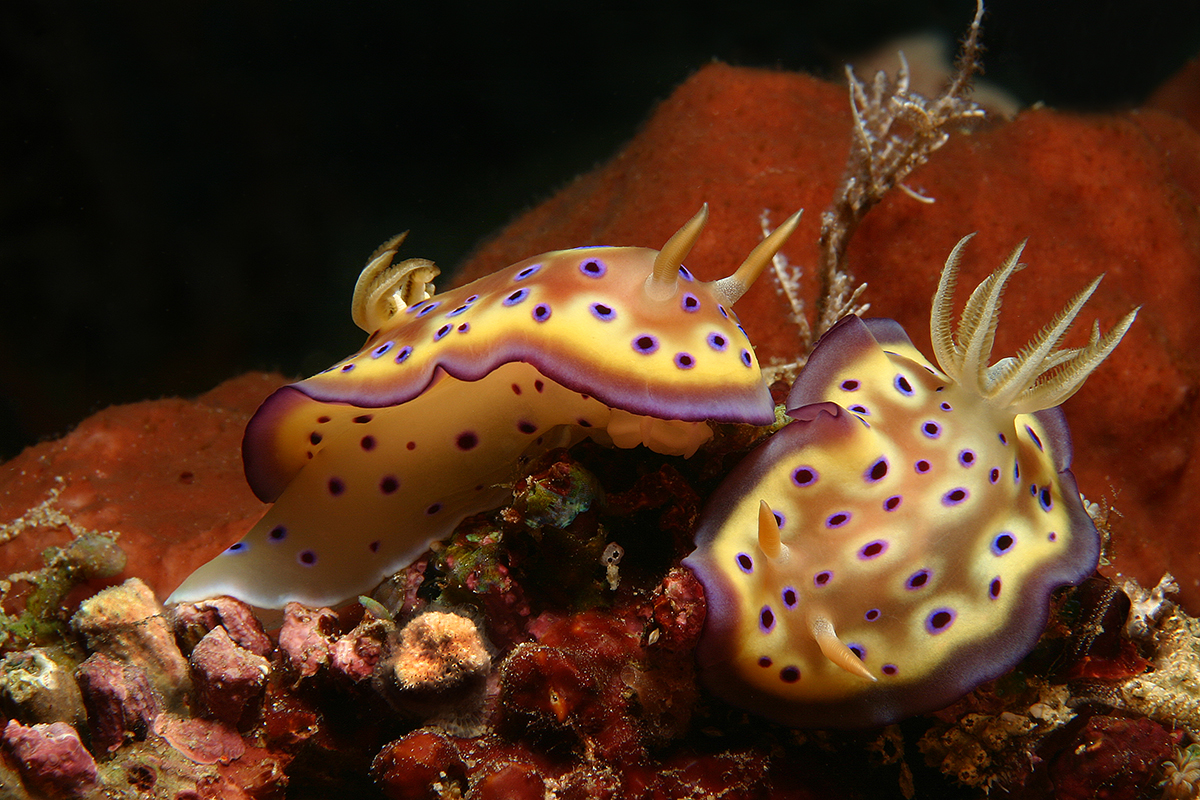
(323, 419)
(922, 466)
(277, 534)
(877, 471)
(347, 367)
(931, 429)
(374, 546)
(745, 356)
(850, 385)
(1016, 471)
(955, 496)
(306, 558)
(903, 386)
(602, 312)
(745, 563)
(764, 661)
(724, 313)
(1003, 542)
(426, 309)
(893, 502)
(717, 342)
(541, 312)
(645, 344)
(471, 299)
(1033, 490)
(889, 669)
(789, 597)
(683, 273)
(1003, 439)
(237, 547)
(457, 311)
(583, 423)
(822, 578)
(946, 406)
(383, 348)
(516, 297)
(804, 476)
(690, 303)
(367, 443)
(858, 408)
(525, 273)
(467, 440)
(336, 486)
(994, 475)
(441, 332)
(389, 484)
(684, 360)
(403, 355)
(314, 438)
(939, 620)
(466, 326)
(994, 588)
(966, 458)
(873, 549)
(362, 419)
(789, 674)
(1052, 536)
(838, 519)
(525, 426)
(917, 579)
(593, 268)
(858, 650)
(433, 509)
(1034, 436)
(766, 619)
(872, 614)
(1044, 499)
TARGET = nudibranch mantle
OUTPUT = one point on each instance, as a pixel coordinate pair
(895, 546)
(375, 458)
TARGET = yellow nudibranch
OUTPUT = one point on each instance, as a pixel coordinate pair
(896, 544)
(382, 454)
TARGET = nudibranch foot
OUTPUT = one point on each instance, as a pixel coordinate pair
(375, 458)
(927, 514)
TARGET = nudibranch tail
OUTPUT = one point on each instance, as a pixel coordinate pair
(385, 289)
(1040, 376)
(736, 285)
(663, 281)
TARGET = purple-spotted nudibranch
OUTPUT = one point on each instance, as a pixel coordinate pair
(382, 454)
(896, 544)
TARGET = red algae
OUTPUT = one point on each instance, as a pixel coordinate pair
(1111, 757)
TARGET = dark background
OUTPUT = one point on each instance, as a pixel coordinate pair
(190, 189)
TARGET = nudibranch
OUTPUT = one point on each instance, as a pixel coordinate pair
(385, 452)
(896, 544)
